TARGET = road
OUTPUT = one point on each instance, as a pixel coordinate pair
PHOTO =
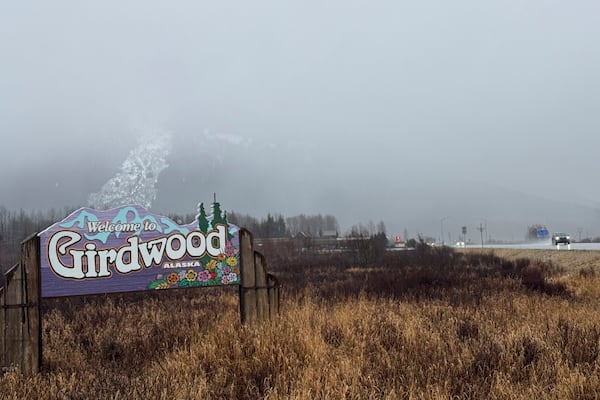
(539, 245)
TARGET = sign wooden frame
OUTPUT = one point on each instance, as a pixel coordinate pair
(25, 286)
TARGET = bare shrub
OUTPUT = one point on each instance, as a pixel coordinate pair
(332, 335)
(526, 351)
(476, 380)
(579, 344)
(587, 272)
(467, 328)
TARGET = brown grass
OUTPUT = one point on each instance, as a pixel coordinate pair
(428, 324)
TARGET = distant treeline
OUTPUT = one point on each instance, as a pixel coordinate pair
(15, 226)
(275, 225)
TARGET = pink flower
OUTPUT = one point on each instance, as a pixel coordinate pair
(228, 249)
(203, 276)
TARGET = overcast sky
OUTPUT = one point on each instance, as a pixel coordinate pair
(349, 92)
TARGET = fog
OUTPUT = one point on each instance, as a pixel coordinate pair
(406, 112)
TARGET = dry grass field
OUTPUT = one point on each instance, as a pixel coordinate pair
(424, 324)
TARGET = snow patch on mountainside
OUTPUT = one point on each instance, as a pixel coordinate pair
(137, 179)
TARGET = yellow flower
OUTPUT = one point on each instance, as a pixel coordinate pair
(211, 265)
(163, 285)
(232, 261)
(191, 275)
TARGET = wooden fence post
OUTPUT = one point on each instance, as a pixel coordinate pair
(262, 294)
(2, 328)
(259, 291)
(32, 331)
(247, 288)
(13, 317)
(22, 327)
(273, 285)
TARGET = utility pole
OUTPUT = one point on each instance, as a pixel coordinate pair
(442, 228)
(481, 229)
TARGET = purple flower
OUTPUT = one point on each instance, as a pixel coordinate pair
(232, 277)
(203, 276)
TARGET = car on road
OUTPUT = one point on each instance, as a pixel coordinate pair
(560, 238)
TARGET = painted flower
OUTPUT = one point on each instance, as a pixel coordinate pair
(213, 275)
(159, 276)
(211, 265)
(226, 270)
(232, 277)
(237, 271)
(181, 275)
(224, 280)
(204, 276)
(228, 249)
(162, 285)
(191, 275)
(221, 257)
(232, 261)
(173, 278)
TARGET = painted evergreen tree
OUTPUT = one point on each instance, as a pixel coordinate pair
(226, 222)
(202, 220)
(217, 214)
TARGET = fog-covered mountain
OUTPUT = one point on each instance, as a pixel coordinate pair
(293, 178)
(257, 179)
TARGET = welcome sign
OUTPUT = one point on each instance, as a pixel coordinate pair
(131, 249)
